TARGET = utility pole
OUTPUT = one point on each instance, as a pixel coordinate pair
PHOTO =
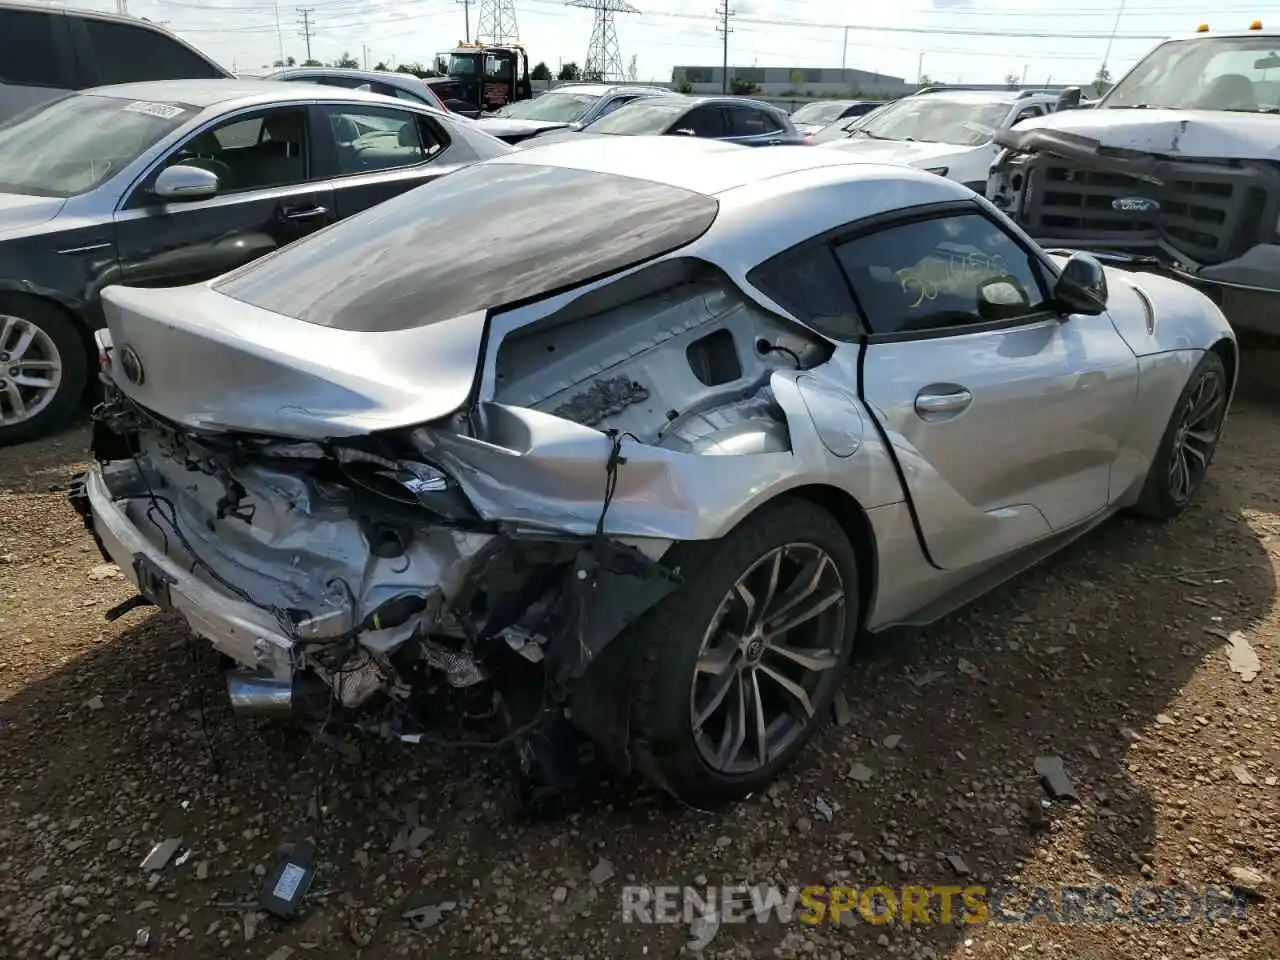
(466, 17)
(308, 26)
(844, 53)
(364, 55)
(279, 32)
(920, 69)
(724, 30)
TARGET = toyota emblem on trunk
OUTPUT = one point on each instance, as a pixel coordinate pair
(1135, 205)
(131, 365)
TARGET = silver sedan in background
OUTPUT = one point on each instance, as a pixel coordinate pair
(653, 471)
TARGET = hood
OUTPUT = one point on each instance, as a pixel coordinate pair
(910, 153)
(809, 128)
(514, 128)
(20, 211)
(214, 363)
(1210, 134)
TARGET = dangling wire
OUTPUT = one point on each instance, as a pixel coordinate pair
(616, 459)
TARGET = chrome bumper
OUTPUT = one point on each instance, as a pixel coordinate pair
(247, 634)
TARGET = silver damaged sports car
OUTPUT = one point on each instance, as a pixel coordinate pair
(641, 470)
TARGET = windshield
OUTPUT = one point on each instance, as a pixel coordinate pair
(932, 119)
(69, 146)
(640, 119)
(554, 107)
(457, 64)
(1222, 73)
(823, 111)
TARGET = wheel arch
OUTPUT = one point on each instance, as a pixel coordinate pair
(1229, 352)
(852, 518)
(10, 294)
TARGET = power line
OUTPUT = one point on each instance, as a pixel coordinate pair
(308, 26)
(724, 13)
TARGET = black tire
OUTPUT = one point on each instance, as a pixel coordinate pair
(65, 336)
(1163, 498)
(669, 639)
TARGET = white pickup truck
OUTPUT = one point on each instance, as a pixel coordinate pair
(1176, 169)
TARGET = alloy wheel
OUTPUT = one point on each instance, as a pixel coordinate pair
(1196, 436)
(30, 370)
(775, 637)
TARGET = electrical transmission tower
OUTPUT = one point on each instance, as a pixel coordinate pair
(724, 13)
(604, 59)
(308, 26)
(496, 22)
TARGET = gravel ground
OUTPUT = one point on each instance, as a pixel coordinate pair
(1111, 657)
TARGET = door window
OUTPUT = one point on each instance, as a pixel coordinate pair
(127, 53)
(28, 54)
(702, 122)
(375, 138)
(749, 122)
(945, 272)
(250, 153)
(613, 105)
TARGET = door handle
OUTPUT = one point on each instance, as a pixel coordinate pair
(930, 402)
(775, 142)
(304, 213)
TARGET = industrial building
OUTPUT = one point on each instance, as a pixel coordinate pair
(789, 81)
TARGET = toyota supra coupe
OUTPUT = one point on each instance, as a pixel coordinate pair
(643, 477)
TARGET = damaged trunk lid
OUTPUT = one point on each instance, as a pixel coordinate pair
(209, 362)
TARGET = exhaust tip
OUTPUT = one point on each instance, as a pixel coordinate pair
(254, 695)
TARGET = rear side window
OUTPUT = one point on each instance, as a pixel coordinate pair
(747, 122)
(448, 248)
(27, 51)
(127, 54)
(810, 283)
(703, 122)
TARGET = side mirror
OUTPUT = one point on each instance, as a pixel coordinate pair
(1082, 286)
(182, 182)
(1069, 98)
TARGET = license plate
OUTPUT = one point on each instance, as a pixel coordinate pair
(153, 583)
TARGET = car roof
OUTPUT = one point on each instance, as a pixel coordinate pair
(704, 166)
(605, 88)
(43, 6)
(209, 93)
(390, 76)
(985, 96)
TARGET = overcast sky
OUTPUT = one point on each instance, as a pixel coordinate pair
(970, 40)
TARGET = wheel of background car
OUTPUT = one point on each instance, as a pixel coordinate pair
(1188, 444)
(43, 368)
(737, 668)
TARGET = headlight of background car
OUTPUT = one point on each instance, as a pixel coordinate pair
(940, 171)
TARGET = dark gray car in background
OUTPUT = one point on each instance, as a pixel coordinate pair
(47, 51)
(752, 123)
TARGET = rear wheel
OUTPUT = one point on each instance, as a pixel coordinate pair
(1189, 442)
(43, 369)
(739, 667)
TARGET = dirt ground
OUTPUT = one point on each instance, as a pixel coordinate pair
(1112, 657)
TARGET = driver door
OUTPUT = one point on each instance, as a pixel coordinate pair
(1005, 415)
(267, 198)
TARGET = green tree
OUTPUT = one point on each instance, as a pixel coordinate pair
(381, 65)
(796, 79)
(925, 80)
(286, 62)
(312, 63)
(346, 61)
(1011, 80)
(1102, 80)
(570, 71)
(743, 88)
(540, 71)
